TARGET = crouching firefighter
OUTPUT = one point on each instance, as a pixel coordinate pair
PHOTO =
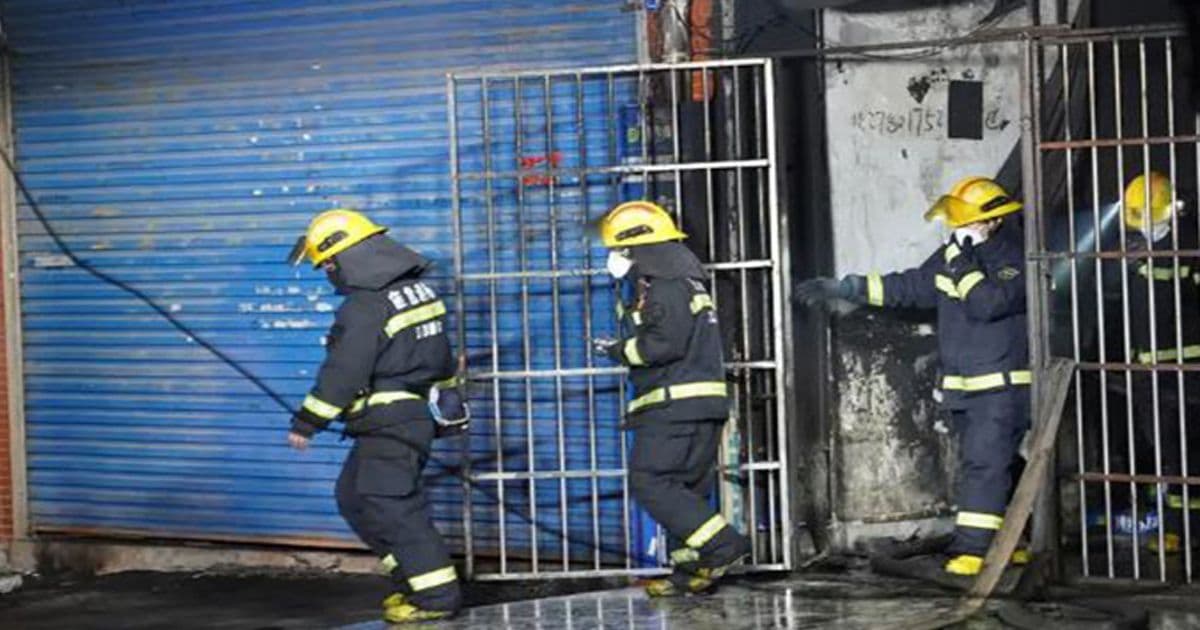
(672, 346)
(976, 282)
(387, 357)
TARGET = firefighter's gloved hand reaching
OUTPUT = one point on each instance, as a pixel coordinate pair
(825, 291)
(603, 346)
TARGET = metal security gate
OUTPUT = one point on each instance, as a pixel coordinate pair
(1115, 105)
(536, 158)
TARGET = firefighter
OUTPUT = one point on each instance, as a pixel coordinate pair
(672, 346)
(386, 355)
(1155, 221)
(976, 283)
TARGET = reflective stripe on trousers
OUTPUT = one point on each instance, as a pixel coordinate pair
(433, 579)
(984, 382)
(979, 520)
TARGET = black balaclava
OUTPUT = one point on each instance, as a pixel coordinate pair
(374, 264)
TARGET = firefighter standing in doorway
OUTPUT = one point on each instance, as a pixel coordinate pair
(387, 357)
(976, 282)
(1155, 221)
(672, 346)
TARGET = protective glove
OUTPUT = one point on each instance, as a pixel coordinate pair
(816, 291)
(449, 410)
(966, 261)
(603, 346)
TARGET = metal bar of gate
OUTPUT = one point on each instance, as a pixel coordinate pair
(1140, 352)
(541, 266)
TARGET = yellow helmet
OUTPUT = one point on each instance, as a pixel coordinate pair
(971, 200)
(1162, 195)
(638, 223)
(331, 233)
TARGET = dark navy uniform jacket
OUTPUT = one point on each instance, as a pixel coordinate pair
(979, 294)
(672, 343)
(387, 346)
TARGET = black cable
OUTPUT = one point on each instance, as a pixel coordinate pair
(450, 469)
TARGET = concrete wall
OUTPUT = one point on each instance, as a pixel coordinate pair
(889, 157)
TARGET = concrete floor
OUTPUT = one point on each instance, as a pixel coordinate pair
(790, 603)
(845, 599)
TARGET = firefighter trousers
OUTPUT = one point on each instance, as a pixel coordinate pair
(671, 474)
(1162, 441)
(990, 428)
(381, 497)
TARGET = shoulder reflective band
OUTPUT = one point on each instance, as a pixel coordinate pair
(684, 555)
(636, 316)
(1176, 501)
(320, 408)
(387, 564)
(945, 285)
(705, 532)
(986, 381)
(676, 392)
(967, 283)
(414, 316)
(433, 579)
(874, 289)
(1172, 354)
(701, 301)
(382, 398)
(952, 252)
(632, 354)
(979, 520)
(1164, 273)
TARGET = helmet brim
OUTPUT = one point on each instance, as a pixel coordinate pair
(296, 256)
(957, 213)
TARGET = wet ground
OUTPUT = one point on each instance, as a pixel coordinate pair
(848, 598)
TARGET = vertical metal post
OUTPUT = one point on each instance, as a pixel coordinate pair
(494, 320)
(1159, 487)
(781, 324)
(1073, 260)
(676, 154)
(1131, 433)
(1097, 227)
(614, 197)
(459, 310)
(556, 324)
(1180, 387)
(589, 363)
(1035, 276)
(526, 337)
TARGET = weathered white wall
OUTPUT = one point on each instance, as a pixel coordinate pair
(887, 122)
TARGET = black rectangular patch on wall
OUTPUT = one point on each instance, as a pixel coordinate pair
(965, 110)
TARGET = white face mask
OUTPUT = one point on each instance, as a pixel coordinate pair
(1158, 231)
(976, 232)
(618, 264)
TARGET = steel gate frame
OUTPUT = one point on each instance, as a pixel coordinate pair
(1064, 133)
(748, 172)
